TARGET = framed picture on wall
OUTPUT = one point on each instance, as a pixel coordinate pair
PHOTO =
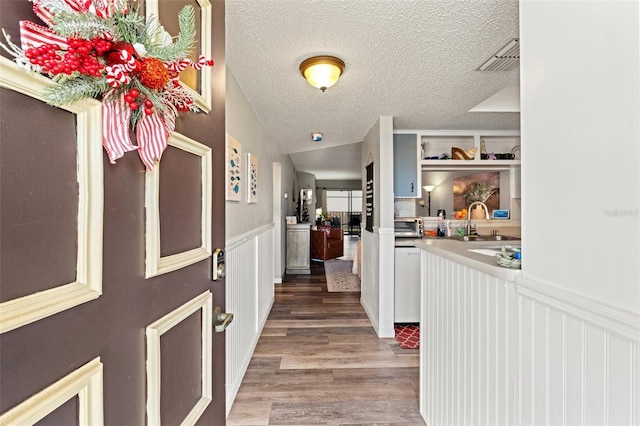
(483, 187)
(252, 178)
(369, 198)
(233, 169)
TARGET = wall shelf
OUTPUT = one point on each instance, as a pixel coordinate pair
(468, 164)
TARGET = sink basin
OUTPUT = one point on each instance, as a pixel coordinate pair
(484, 238)
(499, 238)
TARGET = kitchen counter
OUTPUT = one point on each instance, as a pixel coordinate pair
(468, 320)
(459, 252)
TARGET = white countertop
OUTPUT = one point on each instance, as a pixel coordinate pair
(458, 251)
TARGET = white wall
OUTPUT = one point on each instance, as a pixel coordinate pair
(377, 276)
(579, 295)
(580, 86)
(245, 127)
(251, 261)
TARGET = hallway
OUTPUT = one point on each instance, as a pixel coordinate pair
(319, 361)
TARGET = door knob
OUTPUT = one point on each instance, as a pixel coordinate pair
(221, 320)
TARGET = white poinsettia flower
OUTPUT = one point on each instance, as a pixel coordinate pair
(140, 49)
(162, 37)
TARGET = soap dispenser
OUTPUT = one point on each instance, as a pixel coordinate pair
(442, 231)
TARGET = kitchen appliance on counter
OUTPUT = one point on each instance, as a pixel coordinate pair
(408, 227)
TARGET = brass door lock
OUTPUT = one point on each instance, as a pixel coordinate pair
(218, 264)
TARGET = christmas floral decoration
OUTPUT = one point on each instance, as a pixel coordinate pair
(103, 49)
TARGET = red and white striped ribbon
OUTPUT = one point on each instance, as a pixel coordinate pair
(152, 132)
(100, 8)
(34, 35)
(115, 128)
(46, 15)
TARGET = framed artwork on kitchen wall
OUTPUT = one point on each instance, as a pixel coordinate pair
(233, 169)
(484, 187)
(252, 178)
(197, 81)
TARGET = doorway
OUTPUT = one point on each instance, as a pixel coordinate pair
(345, 209)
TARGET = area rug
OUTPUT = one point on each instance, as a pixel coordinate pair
(408, 336)
(339, 275)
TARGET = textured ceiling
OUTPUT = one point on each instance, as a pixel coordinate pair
(413, 60)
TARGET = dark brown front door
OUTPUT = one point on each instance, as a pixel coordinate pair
(92, 333)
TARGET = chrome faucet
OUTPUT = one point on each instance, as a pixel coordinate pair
(486, 214)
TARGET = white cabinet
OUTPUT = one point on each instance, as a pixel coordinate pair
(406, 166)
(299, 248)
(407, 285)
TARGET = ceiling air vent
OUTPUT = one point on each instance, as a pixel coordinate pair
(505, 59)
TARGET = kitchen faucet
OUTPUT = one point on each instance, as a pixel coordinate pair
(486, 213)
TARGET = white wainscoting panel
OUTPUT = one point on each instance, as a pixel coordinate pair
(464, 340)
(502, 352)
(369, 285)
(249, 296)
(578, 359)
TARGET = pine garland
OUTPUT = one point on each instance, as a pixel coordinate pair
(183, 44)
(73, 89)
(56, 7)
(127, 26)
(85, 25)
(105, 50)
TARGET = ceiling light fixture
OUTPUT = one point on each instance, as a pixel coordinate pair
(322, 71)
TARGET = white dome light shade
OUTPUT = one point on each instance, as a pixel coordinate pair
(322, 71)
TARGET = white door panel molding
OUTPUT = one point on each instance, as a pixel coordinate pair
(88, 281)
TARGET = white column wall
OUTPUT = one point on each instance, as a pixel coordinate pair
(580, 132)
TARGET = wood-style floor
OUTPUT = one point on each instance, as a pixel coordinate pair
(319, 362)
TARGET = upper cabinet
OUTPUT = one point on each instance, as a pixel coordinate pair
(406, 165)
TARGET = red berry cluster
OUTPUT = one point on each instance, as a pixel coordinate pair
(132, 99)
(81, 55)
